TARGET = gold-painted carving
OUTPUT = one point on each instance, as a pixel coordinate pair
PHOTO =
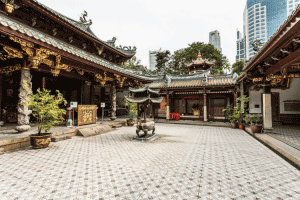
(27, 47)
(12, 53)
(87, 114)
(10, 69)
(9, 8)
(103, 79)
(81, 72)
(120, 80)
(40, 143)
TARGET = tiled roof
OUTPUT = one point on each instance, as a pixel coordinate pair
(17, 26)
(83, 27)
(188, 81)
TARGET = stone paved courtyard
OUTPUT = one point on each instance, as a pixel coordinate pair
(185, 162)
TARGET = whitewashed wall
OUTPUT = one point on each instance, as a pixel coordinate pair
(293, 93)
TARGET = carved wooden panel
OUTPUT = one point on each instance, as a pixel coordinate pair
(87, 114)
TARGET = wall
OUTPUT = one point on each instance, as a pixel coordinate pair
(293, 93)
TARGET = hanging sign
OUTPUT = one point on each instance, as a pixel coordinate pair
(102, 105)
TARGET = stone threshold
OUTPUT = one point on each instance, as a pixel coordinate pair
(21, 140)
(290, 153)
(199, 123)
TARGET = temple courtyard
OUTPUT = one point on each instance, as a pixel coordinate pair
(184, 162)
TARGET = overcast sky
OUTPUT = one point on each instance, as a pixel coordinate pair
(166, 24)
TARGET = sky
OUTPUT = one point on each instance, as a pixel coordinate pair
(155, 24)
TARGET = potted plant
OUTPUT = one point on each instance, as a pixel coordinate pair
(240, 113)
(229, 115)
(45, 108)
(256, 123)
(195, 108)
(132, 112)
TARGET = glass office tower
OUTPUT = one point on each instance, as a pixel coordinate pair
(262, 18)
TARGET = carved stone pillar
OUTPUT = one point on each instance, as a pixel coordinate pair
(25, 90)
(205, 107)
(114, 103)
(168, 106)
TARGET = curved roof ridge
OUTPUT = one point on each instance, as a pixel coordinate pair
(83, 27)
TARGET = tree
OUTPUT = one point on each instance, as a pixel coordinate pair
(238, 67)
(133, 63)
(162, 58)
(182, 57)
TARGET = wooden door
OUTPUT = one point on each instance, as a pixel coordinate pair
(275, 102)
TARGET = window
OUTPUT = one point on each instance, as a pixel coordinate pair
(257, 17)
(296, 0)
(290, 10)
(257, 25)
(257, 9)
(263, 36)
(257, 36)
(290, 1)
(251, 23)
(262, 16)
(251, 35)
(256, 6)
(290, 6)
(250, 9)
(258, 29)
(263, 32)
(263, 24)
(263, 12)
(263, 20)
(262, 8)
(251, 13)
(257, 21)
(257, 33)
(257, 13)
(263, 28)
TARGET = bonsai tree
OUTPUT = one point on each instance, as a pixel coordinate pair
(45, 108)
(229, 113)
(256, 119)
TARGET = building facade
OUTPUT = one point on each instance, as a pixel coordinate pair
(262, 18)
(240, 47)
(215, 39)
(291, 5)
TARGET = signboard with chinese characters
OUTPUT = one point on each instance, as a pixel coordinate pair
(87, 114)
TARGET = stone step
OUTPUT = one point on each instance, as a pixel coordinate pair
(1, 151)
(95, 130)
(60, 137)
(116, 126)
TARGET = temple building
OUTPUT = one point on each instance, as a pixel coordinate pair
(198, 95)
(272, 76)
(41, 48)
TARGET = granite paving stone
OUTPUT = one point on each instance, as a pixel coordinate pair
(184, 162)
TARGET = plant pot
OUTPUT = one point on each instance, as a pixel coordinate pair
(256, 128)
(233, 125)
(242, 126)
(130, 122)
(40, 141)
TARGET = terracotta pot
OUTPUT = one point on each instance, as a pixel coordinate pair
(256, 128)
(233, 125)
(130, 122)
(40, 141)
(242, 126)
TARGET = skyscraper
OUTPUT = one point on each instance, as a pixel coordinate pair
(152, 59)
(262, 18)
(215, 39)
(240, 47)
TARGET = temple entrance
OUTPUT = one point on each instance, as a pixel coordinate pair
(216, 106)
(10, 98)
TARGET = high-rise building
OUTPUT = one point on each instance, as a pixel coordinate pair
(152, 59)
(240, 47)
(262, 18)
(215, 39)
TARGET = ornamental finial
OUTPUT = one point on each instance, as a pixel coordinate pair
(199, 54)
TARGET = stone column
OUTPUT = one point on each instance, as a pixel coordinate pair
(24, 92)
(168, 106)
(205, 107)
(114, 103)
(267, 110)
(1, 83)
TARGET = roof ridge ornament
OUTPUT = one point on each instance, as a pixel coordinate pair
(199, 55)
(83, 19)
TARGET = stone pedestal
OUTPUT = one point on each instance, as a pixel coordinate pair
(114, 104)
(167, 112)
(24, 92)
(267, 113)
(205, 108)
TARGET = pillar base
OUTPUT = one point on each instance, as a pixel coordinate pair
(113, 118)
(268, 130)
